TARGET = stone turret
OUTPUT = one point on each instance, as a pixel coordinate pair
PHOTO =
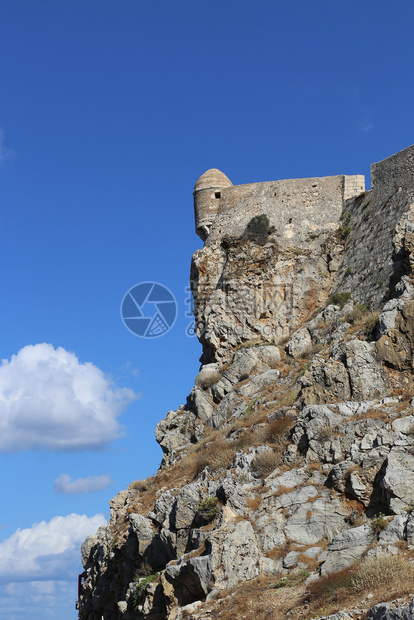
(207, 194)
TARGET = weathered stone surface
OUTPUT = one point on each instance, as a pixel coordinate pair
(387, 611)
(346, 548)
(186, 505)
(398, 480)
(396, 530)
(143, 530)
(290, 560)
(351, 373)
(313, 521)
(300, 342)
(397, 345)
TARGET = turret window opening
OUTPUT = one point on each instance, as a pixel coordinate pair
(217, 194)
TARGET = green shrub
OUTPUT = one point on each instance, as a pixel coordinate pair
(369, 329)
(208, 508)
(378, 523)
(339, 299)
(345, 227)
(357, 314)
(292, 580)
(141, 586)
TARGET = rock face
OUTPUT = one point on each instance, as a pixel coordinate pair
(298, 436)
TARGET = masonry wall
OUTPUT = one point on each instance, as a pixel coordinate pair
(375, 227)
(297, 208)
(393, 173)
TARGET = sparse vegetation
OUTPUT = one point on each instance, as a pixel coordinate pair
(409, 508)
(339, 299)
(208, 508)
(292, 580)
(353, 518)
(276, 430)
(370, 325)
(345, 227)
(382, 572)
(140, 485)
(357, 314)
(345, 587)
(378, 523)
(141, 586)
(266, 462)
(327, 591)
(324, 433)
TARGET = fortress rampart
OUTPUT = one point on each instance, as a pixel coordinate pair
(377, 226)
(319, 199)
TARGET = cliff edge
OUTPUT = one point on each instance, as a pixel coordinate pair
(287, 481)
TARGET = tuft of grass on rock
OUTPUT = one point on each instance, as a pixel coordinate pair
(339, 299)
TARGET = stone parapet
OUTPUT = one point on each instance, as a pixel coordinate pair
(353, 185)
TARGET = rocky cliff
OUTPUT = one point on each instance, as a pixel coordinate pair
(287, 482)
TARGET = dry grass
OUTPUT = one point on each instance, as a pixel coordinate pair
(310, 563)
(346, 588)
(363, 321)
(325, 433)
(383, 571)
(281, 490)
(276, 430)
(308, 354)
(253, 503)
(314, 466)
(278, 552)
(266, 462)
(265, 598)
(140, 485)
(257, 599)
(217, 451)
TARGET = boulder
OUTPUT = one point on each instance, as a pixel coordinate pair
(346, 548)
(398, 480)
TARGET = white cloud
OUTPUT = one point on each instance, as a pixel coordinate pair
(46, 551)
(49, 400)
(38, 599)
(64, 484)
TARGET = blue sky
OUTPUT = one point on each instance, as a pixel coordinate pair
(109, 112)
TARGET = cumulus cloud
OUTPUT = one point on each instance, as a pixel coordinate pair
(64, 484)
(38, 599)
(49, 400)
(47, 551)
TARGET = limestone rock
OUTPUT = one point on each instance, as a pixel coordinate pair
(278, 282)
(398, 480)
(300, 342)
(387, 611)
(346, 548)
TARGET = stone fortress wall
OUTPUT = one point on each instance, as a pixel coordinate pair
(288, 203)
(375, 225)
(378, 227)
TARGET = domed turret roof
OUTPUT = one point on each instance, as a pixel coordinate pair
(212, 178)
